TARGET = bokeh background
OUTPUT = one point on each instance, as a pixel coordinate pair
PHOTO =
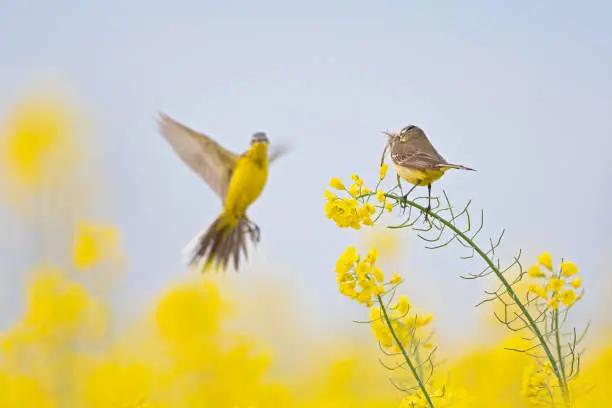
(518, 91)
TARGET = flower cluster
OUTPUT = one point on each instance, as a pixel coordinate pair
(355, 210)
(416, 398)
(555, 287)
(403, 324)
(359, 279)
(536, 386)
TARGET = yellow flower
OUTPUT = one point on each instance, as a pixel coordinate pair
(365, 297)
(378, 274)
(568, 297)
(357, 180)
(395, 279)
(354, 190)
(336, 183)
(545, 260)
(365, 190)
(380, 196)
(424, 321)
(346, 260)
(535, 272)
(383, 170)
(93, 244)
(548, 370)
(402, 306)
(555, 284)
(348, 289)
(362, 269)
(538, 290)
(372, 256)
(568, 269)
(576, 283)
(553, 303)
(39, 149)
(388, 206)
(330, 196)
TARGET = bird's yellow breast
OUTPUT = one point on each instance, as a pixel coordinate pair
(419, 177)
(248, 180)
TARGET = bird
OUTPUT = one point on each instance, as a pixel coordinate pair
(416, 160)
(238, 180)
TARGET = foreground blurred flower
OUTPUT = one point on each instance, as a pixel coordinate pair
(37, 147)
(93, 244)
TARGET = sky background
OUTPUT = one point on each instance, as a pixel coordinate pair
(520, 91)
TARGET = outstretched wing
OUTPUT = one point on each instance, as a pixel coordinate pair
(202, 154)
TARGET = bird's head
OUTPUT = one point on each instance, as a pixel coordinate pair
(408, 132)
(259, 137)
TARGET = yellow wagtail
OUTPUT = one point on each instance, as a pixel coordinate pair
(237, 179)
(416, 160)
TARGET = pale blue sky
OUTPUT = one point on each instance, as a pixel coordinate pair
(520, 91)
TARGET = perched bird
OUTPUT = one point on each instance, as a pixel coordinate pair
(237, 179)
(416, 160)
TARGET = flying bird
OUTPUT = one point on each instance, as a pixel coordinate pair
(237, 179)
(416, 160)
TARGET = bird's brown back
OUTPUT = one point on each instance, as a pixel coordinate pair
(411, 148)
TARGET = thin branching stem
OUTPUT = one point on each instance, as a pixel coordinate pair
(404, 353)
(532, 324)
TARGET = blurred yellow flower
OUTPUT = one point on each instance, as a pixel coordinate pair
(553, 303)
(383, 171)
(93, 244)
(535, 272)
(336, 183)
(395, 279)
(378, 274)
(354, 190)
(358, 182)
(555, 284)
(538, 290)
(37, 149)
(568, 297)
(576, 283)
(545, 259)
(329, 195)
(388, 206)
(21, 391)
(402, 306)
(380, 196)
(568, 269)
(118, 384)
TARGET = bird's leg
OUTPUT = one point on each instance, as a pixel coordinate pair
(402, 197)
(253, 229)
(405, 197)
(428, 202)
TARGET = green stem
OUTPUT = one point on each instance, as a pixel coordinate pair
(559, 354)
(532, 324)
(401, 346)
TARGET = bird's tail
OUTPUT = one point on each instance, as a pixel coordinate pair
(455, 166)
(225, 238)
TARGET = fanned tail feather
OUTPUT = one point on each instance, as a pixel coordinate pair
(224, 240)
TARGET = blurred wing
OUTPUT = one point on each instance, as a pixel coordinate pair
(277, 151)
(202, 154)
